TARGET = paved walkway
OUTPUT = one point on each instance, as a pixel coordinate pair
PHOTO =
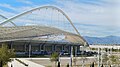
(63, 61)
(39, 62)
(15, 63)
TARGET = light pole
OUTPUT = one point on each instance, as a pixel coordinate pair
(59, 59)
(71, 56)
(101, 56)
(30, 47)
(98, 57)
(29, 50)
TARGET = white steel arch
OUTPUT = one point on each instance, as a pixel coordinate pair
(34, 9)
(7, 18)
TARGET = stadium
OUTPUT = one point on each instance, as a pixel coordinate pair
(40, 36)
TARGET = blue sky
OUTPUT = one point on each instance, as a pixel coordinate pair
(91, 17)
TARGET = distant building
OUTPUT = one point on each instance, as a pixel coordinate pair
(109, 46)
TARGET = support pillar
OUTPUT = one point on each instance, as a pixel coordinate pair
(25, 47)
(29, 50)
(44, 48)
(11, 46)
(78, 48)
(62, 47)
(53, 48)
(76, 51)
(70, 49)
(38, 47)
(71, 56)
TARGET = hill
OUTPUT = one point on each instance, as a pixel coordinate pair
(103, 40)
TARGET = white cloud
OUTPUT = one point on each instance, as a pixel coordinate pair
(86, 13)
(6, 13)
(17, 9)
(26, 2)
(7, 6)
(104, 17)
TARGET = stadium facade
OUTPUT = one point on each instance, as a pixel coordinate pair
(37, 39)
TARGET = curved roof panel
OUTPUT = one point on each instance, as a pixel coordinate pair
(38, 33)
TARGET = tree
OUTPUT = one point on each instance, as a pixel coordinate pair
(6, 54)
(106, 50)
(54, 57)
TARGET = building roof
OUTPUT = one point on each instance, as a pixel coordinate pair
(38, 33)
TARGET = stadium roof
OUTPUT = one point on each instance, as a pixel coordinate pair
(37, 33)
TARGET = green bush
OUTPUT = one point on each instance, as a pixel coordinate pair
(6, 54)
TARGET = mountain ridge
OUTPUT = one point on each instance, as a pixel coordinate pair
(103, 40)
